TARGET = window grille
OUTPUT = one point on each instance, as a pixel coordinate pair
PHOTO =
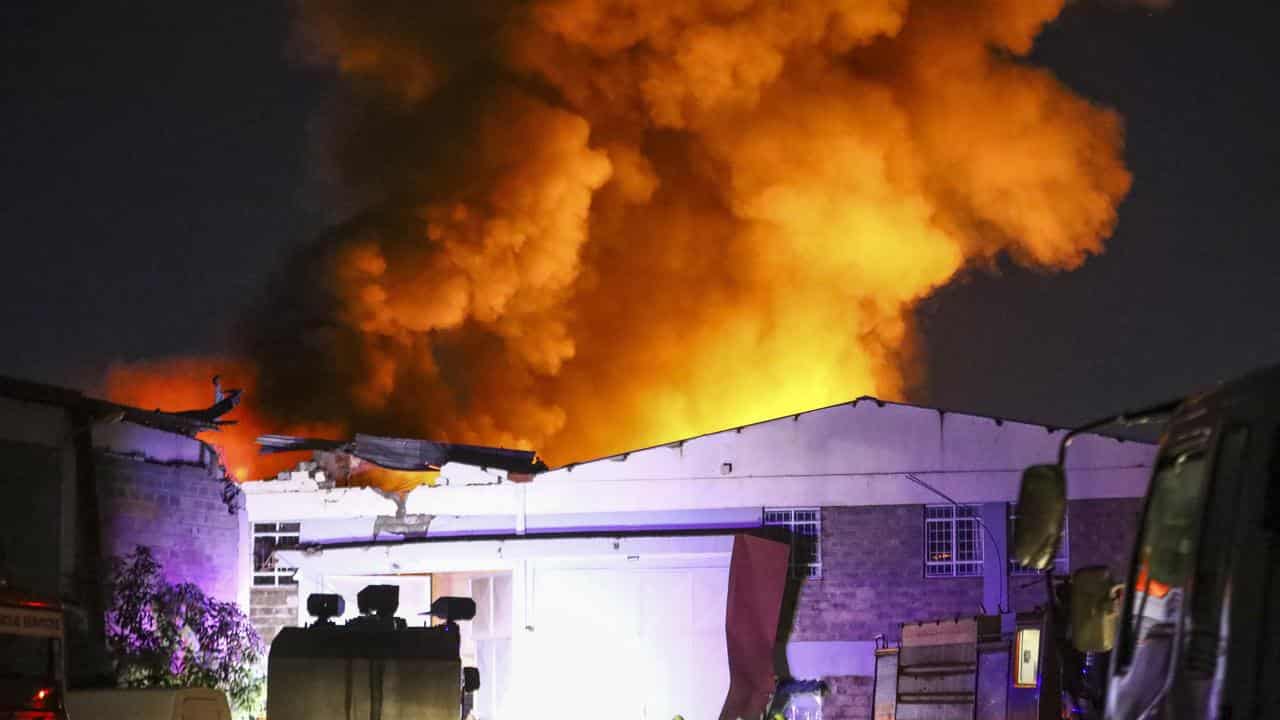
(1061, 561)
(952, 541)
(805, 525)
(267, 538)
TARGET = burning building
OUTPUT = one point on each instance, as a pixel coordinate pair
(589, 226)
(603, 586)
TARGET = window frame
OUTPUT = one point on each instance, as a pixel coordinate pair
(974, 566)
(277, 576)
(1198, 445)
(808, 567)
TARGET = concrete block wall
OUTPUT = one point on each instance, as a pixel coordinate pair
(849, 698)
(873, 578)
(177, 511)
(272, 608)
(1102, 532)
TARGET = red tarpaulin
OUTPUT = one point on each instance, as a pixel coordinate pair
(757, 580)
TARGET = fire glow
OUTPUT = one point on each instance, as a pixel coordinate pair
(185, 384)
(597, 225)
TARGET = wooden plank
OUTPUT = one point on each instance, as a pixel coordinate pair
(945, 632)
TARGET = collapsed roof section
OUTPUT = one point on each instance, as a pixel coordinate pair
(409, 454)
(150, 436)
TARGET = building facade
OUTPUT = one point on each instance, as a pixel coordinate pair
(613, 572)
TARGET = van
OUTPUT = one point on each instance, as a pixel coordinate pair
(148, 704)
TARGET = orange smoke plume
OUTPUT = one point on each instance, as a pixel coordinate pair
(177, 384)
(602, 224)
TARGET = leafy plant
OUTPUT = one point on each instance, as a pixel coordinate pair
(173, 635)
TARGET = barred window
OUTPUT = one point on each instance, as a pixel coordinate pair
(952, 541)
(1061, 561)
(267, 538)
(805, 525)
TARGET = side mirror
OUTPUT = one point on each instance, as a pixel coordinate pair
(1042, 508)
(1093, 610)
(470, 679)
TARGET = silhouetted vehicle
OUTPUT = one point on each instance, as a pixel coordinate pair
(375, 666)
(32, 680)
(1194, 630)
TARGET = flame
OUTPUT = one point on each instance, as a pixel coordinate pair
(596, 225)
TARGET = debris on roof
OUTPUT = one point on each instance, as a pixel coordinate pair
(409, 454)
(223, 403)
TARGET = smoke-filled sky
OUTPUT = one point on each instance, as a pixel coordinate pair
(586, 225)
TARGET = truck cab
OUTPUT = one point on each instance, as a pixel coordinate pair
(32, 681)
(1193, 631)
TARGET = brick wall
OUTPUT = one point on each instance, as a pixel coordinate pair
(177, 511)
(271, 608)
(873, 578)
(1100, 532)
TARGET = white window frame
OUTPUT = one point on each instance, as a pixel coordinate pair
(276, 576)
(491, 634)
(803, 522)
(1061, 561)
(944, 531)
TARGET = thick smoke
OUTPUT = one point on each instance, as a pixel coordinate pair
(600, 224)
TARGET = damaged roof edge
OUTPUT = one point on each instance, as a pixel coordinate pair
(410, 454)
(102, 410)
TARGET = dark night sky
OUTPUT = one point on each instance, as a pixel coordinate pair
(158, 163)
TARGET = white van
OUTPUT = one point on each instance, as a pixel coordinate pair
(148, 704)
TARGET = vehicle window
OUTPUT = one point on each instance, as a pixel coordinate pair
(1214, 556)
(1166, 546)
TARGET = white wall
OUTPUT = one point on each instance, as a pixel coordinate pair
(846, 455)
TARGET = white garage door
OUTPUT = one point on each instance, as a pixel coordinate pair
(625, 643)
